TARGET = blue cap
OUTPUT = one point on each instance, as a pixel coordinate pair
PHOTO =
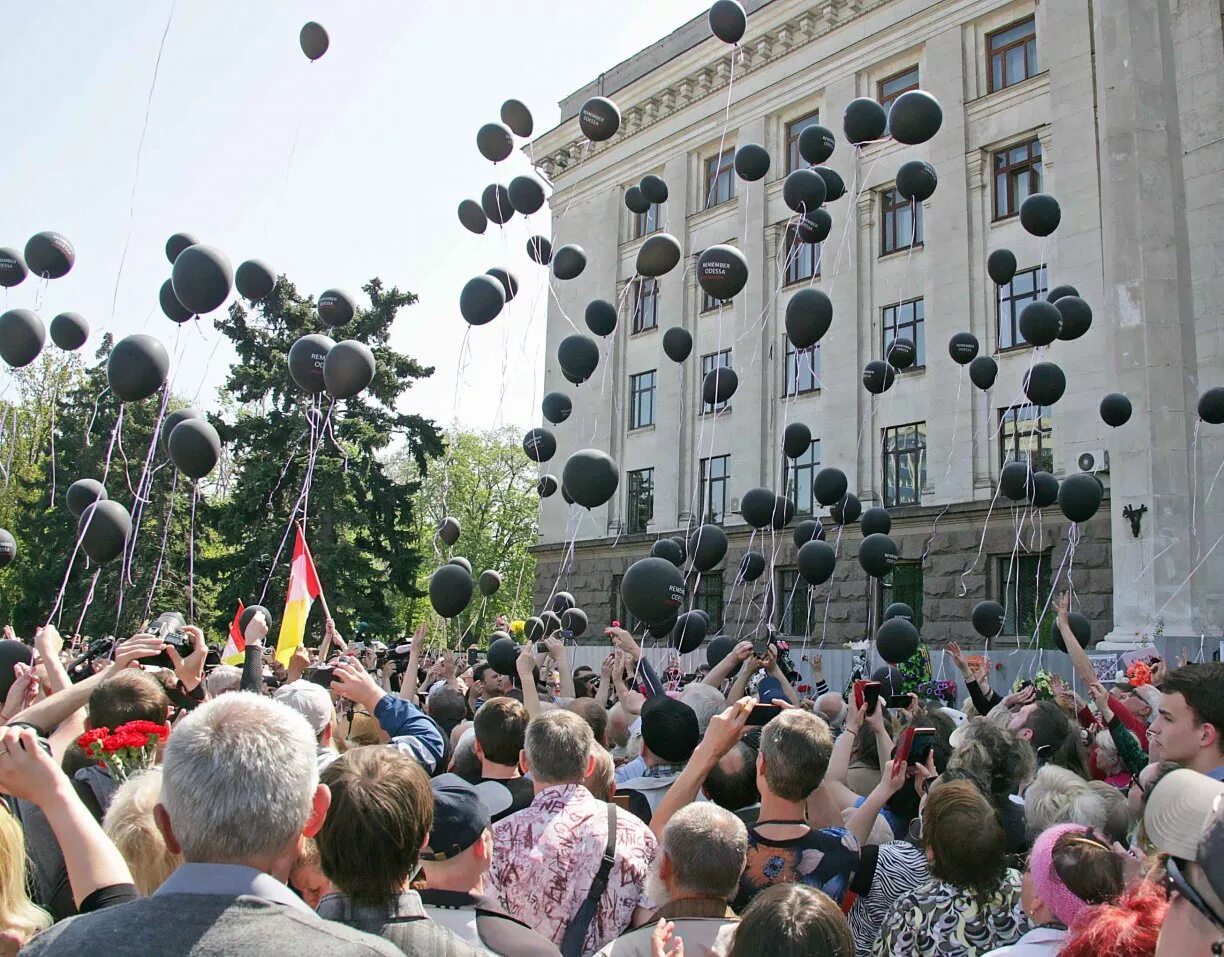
(460, 817)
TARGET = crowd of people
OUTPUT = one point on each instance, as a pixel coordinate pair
(366, 802)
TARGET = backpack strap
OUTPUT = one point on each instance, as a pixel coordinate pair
(575, 933)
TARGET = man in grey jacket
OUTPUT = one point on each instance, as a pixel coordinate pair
(240, 791)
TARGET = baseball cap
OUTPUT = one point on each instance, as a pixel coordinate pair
(313, 702)
(460, 817)
(1177, 810)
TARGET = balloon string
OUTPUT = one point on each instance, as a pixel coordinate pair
(191, 556)
(1194, 467)
(161, 554)
(54, 403)
(89, 597)
(1193, 571)
(144, 487)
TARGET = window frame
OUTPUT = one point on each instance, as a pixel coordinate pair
(642, 398)
(639, 223)
(709, 598)
(806, 255)
(1032, 166)
(1016, 303)
(706, 408)
(1007, 589)
(888, 590)
(1030, 69)
(889, 226)
(794, 129)
(706, 488)
(791, 588)
(791, 473)
(886, 99)
(917, 325)
(791, 370)
(637, 480)
(637, 321)
(714, 168)
(890, 495)
(1042, 457)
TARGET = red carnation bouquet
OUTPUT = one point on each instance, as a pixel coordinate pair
(129, 748)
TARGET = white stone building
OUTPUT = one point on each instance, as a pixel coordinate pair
(1116, 107)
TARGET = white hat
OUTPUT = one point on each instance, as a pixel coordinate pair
(1177, 809)
(312, 701)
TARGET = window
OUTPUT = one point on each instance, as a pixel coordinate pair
(1017, 175)
(709, 598)
(794, 603)
(903, 584)
(720, 178)
(901, 222)
(802, 259)
(639, 508)
(904, 464)
(708, 364)
(641, 399)
(1026, 431)
(892, 87)
(798, 479)
(1025, 287)
(1012, 52)
(708, 302)
(715, 476)
(619, 612)
(793, 160)
(642, 224)
(905, 320)
(802, 369)
(645, 304)
(1023, 590)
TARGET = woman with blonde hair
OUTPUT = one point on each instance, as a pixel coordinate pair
(130, 826)
(20, 918)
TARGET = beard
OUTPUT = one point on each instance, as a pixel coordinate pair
(656, 890)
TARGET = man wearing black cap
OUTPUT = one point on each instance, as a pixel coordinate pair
(455, 861)
(669, 736)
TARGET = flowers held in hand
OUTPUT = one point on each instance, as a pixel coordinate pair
(129, 748)
(1138, 674)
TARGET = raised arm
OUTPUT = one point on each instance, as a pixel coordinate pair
(722, 671)
(49, 644)
(525, 665)
(556, 651)
(1079, 659)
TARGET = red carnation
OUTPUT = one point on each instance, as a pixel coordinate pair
(89, 737)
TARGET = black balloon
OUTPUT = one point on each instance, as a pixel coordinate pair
(49, 255)
(177, 243)
(539, 250)
(719, 647)
(917, 180)
(652, 589)
(752, 566)
(13, 269)
(878, 376)
(783, 513)
(515, 115)
(104, 528)
(830, 486)
(1079, 496)
(248, 615)
(654, 189)
(508, 282)
(336, 307)
(556, 407)
(728, 21)
(1211, 406)
(963, 348)
(539, 445)
(877, 554)
(254, 279)
(1040, 214)
(816, 144)
(756, 507)
(658, 255)
(689, 632)
(1115, 409)
(313, 40)
(1080, 627)
(591, 477)
(174, 310)
(803, 191)
(495, 142)
(83, 493)
(575, 620)
(566, 497)
(896, 640)
(538, 627)
(1076, 316)
(1016, 482)
(1045, 489)
(719, 385)
(449, 530)
(450, 590)
(526, 195)
(568, 262)
(503, 656)
(137, 367)
(202, 278)
(864, 120)
(677, 343)
(599, 119)
(875, 520)
(578, 356)
(668, 549)
(1001, 266)
(796, 439)
(636, 201)
(546, 486)
(1044, 384)
(751, 162)
(22, 337)
(814, 227)
(707, 546)
(914, 117)
(1059, 291)
(987, 618)
(1040, 322)
(816, 561)
(722, 271)
(348, 369)
(562, 601)
(809, 530)
(847, 511)
(835, 186)
(899, 609)
(809, 313)
(171, 421)
(495, 203)
(983, 371)
(901, 353)
(601, 317)
(306, 359)
(481, 300)
(194, 447)
(472, 216)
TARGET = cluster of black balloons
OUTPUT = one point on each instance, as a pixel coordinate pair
(913, 118)
(498, 203)
(49, 255)
(341, 369)
(104, 523)
(451, 586)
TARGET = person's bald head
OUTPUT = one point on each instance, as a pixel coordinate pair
(832, 707)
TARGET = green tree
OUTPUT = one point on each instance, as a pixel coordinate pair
(489, 485)
(358, 518)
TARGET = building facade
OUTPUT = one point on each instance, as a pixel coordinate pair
(1116, 108)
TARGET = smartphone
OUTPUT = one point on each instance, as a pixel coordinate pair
(871, 695)
(541, 648)
(1025, 684)
(904, 743)
(473, 655)
(762, 714)
(761, 648)
(899, 700)
(565, 633)
(920, 749)
(858, 693)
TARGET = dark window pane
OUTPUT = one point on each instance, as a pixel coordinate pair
(904, 464)
(639, 509)
(906, 320)
(708, 363)
(642, 400)
(793, 129)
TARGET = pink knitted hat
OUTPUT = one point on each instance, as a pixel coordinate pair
(1050, 889)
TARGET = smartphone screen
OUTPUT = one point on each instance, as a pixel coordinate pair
(473, 655)
(871, 695)
(762, 714)
(924, 740)
(898, 701)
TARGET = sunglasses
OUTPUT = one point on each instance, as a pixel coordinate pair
(1175, 882)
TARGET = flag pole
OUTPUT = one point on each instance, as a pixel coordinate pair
(322, 596)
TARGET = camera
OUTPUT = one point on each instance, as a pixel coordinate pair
(321, 675)
(82, 667)
(168, 626)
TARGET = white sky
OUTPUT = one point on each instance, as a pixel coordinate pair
(386, 150)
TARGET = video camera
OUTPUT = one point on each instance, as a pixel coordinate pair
(168, 626)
